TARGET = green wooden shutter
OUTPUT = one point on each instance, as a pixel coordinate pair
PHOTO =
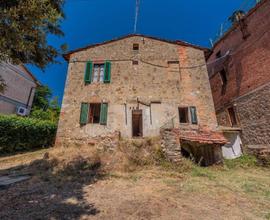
(193, 114)
(107, 73)
(84, 113)
(88, 72)
(103, 113)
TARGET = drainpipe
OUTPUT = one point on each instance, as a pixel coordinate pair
(29, 97)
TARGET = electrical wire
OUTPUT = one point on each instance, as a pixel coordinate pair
(228, 53)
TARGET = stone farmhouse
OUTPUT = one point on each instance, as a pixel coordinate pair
(240, 81)
(20, 89)
(141, 86)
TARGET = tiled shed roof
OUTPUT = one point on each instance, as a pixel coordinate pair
(203, 137)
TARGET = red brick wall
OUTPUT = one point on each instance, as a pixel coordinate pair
(249, 65)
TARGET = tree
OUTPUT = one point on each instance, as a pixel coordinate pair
(45, 107)
(24, 27)
(42, 98)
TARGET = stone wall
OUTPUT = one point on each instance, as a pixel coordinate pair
(152, 80)
(254, 114)
(170, 145)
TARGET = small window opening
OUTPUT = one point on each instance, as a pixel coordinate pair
(94, 113)
(232, 116)
(173, 62)
(223, 76)
(183, 114)
(135, 62)
(135, 46)
(218, 54)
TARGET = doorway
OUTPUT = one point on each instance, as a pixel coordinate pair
(137, 125)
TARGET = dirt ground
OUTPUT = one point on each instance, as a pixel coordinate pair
(148, 193)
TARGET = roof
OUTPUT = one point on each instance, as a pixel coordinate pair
(31, 74)
(203, 137)
(177, 42)
(250, 12)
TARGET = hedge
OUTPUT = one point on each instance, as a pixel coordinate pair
(22, 133)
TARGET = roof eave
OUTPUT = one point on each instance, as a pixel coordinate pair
(177, 42)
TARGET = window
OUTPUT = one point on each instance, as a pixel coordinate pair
(97, 72)
(218, 54)
(193, 114)
(135, 62)
(135, 46)
(183, 114)
(94, 113)
(223, 76)
(173, 62)
(232, 116)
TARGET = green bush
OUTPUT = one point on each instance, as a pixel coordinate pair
(41, 115)
(22, 133)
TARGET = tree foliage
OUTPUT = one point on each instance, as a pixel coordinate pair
(24, 27)
(44, 106)
(42, 97)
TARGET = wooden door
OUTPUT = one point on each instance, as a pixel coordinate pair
(137, 125)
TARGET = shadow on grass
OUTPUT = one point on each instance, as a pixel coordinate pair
(50, 194)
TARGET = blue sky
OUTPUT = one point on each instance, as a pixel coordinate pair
(93, 21)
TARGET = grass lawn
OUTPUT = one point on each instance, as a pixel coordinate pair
(237, 190)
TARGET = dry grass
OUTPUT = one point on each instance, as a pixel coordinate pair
(21, 159)
(136, 182)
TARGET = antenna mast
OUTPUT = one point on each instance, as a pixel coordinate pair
(136, 15)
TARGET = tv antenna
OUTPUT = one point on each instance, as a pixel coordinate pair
(136, 15)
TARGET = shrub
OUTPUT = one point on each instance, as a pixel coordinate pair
(41, 115)
(19, 133)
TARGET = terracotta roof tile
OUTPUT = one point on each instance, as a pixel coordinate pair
(203, 137)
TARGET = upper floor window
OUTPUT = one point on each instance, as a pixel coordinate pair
(135, 62)
(97, 72)
(223, 76)
(218, 54)
(135, 46)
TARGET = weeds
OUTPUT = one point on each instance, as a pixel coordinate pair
(202, 172)
(244, 161)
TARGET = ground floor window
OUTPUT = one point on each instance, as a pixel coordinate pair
(94, 113)
(183, 114)
(188, 115)
(232, 116)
